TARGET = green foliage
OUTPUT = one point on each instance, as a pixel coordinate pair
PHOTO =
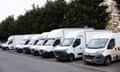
(85, 13)
(6, 27)
(57, 14)
(54, 14)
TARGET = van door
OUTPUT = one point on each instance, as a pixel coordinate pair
(117, 47)
(112, 50)
(77, 48)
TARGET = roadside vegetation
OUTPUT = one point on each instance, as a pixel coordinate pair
(57, 14)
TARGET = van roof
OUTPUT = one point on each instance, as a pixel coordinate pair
(57, 33)
(104, 35)
(74, 34)
(40, 36)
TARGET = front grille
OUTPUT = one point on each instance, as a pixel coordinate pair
(26, 48)
(89, 57)
(41, 51)
(59, 53)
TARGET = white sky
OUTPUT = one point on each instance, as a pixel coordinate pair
(17, 7)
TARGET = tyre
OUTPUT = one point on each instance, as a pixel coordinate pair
(7, 48)
(107, 61)
(58, 59)
(35, 54)
(71, 58)
(86, 62)
(3, 49)
(18, 51)
(24, 51)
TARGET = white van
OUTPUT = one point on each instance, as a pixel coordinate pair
(16, 40)
(23, 41)
(74, 44)
(5, 46)
(32, 42)
(53, 40)
(12, 42)
(103, 49)
(37, 38)
(41, 41)
(55, 37)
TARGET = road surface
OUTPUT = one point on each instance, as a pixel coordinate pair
(11, 62)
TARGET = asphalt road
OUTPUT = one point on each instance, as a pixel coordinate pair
(114, 67)
(11, 62)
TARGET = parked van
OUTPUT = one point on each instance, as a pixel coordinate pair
(55, 37)
(33, 41)
(103, 48)
(74, 44)
(23, 41)
(16, 40)
(41, 41)
(53, 40)
(9, 42)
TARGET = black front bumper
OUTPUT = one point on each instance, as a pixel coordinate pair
(47, 54)
(98, 59)
(5, 48)
(19, 50)
(27, 50)
(61, 55)
(35, 52)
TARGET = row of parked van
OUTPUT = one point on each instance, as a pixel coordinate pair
(93, 46)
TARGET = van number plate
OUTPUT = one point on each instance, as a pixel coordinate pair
(89, 60)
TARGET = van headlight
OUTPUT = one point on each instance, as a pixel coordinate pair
(85, 53)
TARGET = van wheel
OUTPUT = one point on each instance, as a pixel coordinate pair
(7, 48)
(107, 61)
(58, 59)
(18, 51)
(24, 51)
(71, 57)
(86, 62)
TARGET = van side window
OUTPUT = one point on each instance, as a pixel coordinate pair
(77, 42)
(10, 42)
(111, 44)
(57, 42)
(27, 42)
(35, 42)
(45, 42)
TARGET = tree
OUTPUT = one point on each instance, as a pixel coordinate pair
(6, 27)
(24, 24)
(54, 14)
(85, 13)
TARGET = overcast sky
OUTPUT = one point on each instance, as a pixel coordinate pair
(17, 7)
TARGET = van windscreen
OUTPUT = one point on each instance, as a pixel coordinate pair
(97, 43)
(50, 42)
(67, 42)
(40, 42)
